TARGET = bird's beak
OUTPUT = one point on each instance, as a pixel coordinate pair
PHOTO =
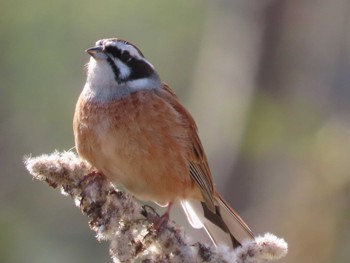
(96, 52)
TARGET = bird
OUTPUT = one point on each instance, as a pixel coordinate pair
(133, 129)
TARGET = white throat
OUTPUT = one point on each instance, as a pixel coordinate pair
(102, 86)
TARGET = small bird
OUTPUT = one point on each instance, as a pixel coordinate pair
(132, 128)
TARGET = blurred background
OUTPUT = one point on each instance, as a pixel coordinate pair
(268, 83)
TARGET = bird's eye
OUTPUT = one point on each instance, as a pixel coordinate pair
(125, 56)
(99, 43)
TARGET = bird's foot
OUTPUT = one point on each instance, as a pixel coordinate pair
(160, 222)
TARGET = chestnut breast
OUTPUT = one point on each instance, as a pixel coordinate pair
(139, 141)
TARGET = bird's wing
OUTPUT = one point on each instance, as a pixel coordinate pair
(221, 222)
(198, 163)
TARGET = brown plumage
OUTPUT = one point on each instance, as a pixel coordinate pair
(134, 130)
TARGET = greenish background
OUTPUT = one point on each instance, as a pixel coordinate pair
(267, 81)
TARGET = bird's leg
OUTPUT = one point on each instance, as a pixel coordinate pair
(163, 219)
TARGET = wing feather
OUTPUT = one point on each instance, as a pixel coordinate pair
(221, 222)
(198, 163)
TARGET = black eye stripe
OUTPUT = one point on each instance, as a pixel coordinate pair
(124, 56)
(138, 67)
(114, 51)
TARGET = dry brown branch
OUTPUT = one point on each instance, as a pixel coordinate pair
(116, 217)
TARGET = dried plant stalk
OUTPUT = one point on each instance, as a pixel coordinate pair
(117, 217)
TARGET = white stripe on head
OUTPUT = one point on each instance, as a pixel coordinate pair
(124, 46)
(131, 49)
(124, 70)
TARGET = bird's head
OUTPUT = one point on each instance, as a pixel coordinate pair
(119, 66)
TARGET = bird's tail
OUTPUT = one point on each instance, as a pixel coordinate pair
(223, 225)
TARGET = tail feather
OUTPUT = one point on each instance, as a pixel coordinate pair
(223, 225)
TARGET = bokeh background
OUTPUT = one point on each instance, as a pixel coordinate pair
(268, 83)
